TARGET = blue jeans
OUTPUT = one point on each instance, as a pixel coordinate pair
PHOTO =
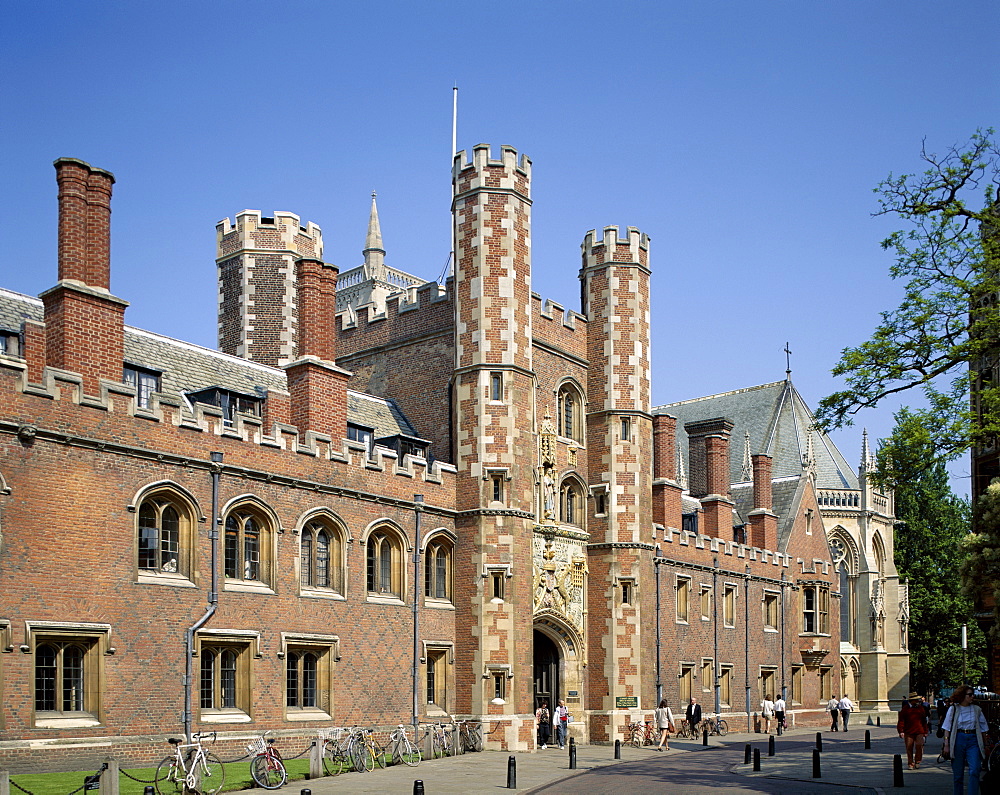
(965, 748)
(561, 733)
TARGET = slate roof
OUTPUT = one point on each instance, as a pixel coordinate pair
(778, 421)
(186, 367)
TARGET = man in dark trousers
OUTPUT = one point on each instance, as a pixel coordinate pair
(693, 714)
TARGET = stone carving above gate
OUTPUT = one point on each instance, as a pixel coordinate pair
(560, 571)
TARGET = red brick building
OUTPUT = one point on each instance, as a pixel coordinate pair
(439, 500)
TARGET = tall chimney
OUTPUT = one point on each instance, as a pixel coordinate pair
(710, 479)
(666, 488)
(763, 521)
(84, 322)
(317, 387)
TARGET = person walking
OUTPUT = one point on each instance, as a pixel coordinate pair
(562, 723)
(767, 713)
(693, 714)
(846, 706)
(964, 727)
(833, 707)
(544, 722)
(914, 726)
(665, 723)
(779, 713)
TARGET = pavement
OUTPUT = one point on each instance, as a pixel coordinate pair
(688, 767)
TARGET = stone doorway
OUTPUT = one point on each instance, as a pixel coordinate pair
(546, 659)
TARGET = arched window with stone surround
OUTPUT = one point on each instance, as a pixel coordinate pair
(570, 412)
(845, 563)
(248, 543)
(572, 502)
(165, 534)
(321, 555)
(384, 570)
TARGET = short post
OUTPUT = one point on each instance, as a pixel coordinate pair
(704, 736)
(816, 771)
(511, 773)
(756, 760)
(779, 729)
(770, 745)
(878, 721)
(746, 755)
(418, 787)
(618, 749)
(305, 792)
(819, 741)
(315, 760)
(5, 783)
(868, 740)
(572, 754)
(147, 790)
(897, 770)
(109, 778)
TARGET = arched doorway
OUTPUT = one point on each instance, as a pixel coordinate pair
(546, 657)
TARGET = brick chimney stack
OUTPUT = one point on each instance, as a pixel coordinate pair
(710, 479)
(666, 488)
(84, 322)
(763, 521)
(316, 386)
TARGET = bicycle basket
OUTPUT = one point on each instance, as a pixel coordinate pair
(257, 746)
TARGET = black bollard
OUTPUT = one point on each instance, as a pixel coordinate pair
(816, 770)
(704, 737)
(418, 787)
(147, 790)
(746, 754)
(618, 749)
(878, 722)
(770, 745)
(306, 792)
(756, 760)
(897, 770)
(572, 754)
(819, 741)
(511, 773)
(868, 740)
(779, 729)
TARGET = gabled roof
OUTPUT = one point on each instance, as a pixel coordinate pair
(778, 422)
(185, 368)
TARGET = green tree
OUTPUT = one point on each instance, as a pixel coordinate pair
(929, 553)
(982, 564)
(948, 320)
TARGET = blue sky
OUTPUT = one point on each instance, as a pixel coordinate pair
(743, 137)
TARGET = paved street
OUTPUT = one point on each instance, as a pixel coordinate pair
(687, 768)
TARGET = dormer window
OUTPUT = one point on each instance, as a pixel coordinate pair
(9, 343)
(405, 445)
(144, 381)
(231, 402)
(362, 434)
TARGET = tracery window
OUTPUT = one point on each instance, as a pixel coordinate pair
(321, 557)
(384, 564)
(164, 536)
(247, 548)
(437, 569)
(570, 413)
(572, 505)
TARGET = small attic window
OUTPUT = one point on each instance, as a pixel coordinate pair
(9, 343)
(230, 402)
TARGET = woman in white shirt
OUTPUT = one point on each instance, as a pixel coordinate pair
(665, 723)
(767, 713)
(964, 726)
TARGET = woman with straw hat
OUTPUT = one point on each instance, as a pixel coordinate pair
(913, 727)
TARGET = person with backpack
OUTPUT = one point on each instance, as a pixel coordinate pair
(913, 727)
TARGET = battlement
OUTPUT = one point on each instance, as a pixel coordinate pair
(281, 232)
(179, 427)
(428, 295)
(550, 310)
(612, 248)
(481, 171)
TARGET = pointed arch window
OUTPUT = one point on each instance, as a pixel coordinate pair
(438, 569)
(321, 557)
(164, 538)
(247, 548)
(570, 413)
(384, 572)
(572, 504)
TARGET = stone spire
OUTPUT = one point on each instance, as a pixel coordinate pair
(866, 455)
(747, 472)
(374, 253)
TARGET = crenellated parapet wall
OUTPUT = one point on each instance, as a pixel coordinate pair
(167, 424)
(557, 327)
(253, 231)
(412, 312)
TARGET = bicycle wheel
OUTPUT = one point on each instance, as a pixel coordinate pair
(477, 739)
(379, 753)
(993, 761)
(210, 775)
(636, 738)
(332, 760)
(722, 727)
(406, 752)
(268, 771)
(166, 779)
(361, 757)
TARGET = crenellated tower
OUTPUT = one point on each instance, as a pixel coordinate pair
(495, 443)
(255, 258)
(615, 288)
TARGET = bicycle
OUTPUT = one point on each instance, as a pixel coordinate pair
(266, 766)
(715, 726)
(402, 749)
(190, 770)
(441, 742)
(686, 731)
(642, 734)
(470, 736)
(336, 751)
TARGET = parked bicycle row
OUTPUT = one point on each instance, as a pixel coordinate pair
(192, 767)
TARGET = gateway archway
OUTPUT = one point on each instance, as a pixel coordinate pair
(546, 667)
